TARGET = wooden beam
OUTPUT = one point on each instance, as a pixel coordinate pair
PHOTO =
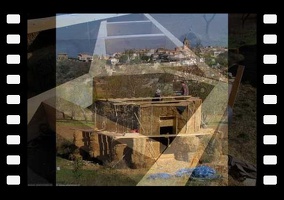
(161, 136)
(166, 104)
(236, 85)
(81, 129)
(167, 122)
(145, 98)
(137, 135)
(151, 102)
(163, 102)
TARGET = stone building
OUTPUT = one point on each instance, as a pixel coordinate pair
(85, 57)
(62, 56)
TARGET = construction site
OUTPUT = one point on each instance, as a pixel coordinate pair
(165, 132)
(139, 130)
(159, 134)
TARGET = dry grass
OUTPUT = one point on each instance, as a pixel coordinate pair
(242, 132)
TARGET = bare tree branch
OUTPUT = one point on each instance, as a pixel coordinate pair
(208, 21)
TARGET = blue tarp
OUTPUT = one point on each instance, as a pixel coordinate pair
(203, 172)
(200, 172)
(183, 172)
(160, 176)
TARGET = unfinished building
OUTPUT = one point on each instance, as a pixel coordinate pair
(139, 130)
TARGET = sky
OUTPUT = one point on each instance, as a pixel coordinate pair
(79, 38)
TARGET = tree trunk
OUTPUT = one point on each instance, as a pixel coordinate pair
(207, 27)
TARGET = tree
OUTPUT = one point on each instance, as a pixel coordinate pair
(136, 60)
(222, 59)
(123, 58)
(208, 21)
(145, 58)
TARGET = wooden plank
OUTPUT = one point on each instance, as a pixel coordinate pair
(167, 122)
(236, 85)
(206, 131)
(85, 130)
(125, 103)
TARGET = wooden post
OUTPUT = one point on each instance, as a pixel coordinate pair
(236, 85)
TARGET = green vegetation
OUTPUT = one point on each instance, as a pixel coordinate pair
(94, 175)
(145, 58)
(67, 70)
(123, 59)
(245, 37)
(75, 123)
(77, 168)
(222, 59)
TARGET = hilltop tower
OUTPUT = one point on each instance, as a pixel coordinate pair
(186, 43)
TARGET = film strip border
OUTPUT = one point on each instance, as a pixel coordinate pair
(13, 78)
(268, 120)
(13, 116)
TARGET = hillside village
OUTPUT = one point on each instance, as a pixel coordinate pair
(215, 57)
(192, 63)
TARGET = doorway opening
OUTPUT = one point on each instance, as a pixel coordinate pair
(167, 127)
(166, 141)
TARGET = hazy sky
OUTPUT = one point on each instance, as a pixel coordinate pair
(74, 39)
